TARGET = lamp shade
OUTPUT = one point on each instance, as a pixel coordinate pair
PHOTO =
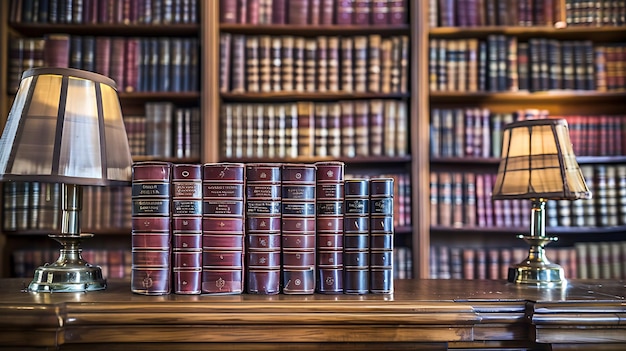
(538, 162)
(65, 126)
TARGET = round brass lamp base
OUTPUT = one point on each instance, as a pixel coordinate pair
(69, 278)
(543, 275)
(70, 273)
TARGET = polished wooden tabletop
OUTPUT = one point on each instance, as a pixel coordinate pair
(433, 314)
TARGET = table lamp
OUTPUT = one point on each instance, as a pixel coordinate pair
(538, 163)
(66, 126)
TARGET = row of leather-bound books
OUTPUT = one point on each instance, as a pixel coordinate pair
(260, 228)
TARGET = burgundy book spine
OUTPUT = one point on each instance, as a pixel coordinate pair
(187, 228)
(397, 11)
(56, 51)
(223, 228)
(329, 193)
(151, 230)
(327, 12)
(344, 12)
(356, 240)
(298, 234)
(228, 11)
(263, 227)
(279, 11)
(379, 12)
(103, 55)
(362, 11)
(298, 12)
(381, 235)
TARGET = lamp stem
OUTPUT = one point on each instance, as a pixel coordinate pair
(537, 230)
(72, 203)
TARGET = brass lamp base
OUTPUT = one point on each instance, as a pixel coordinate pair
(69, 273)
(536, 269)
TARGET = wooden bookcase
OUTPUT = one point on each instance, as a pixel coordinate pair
(133, 103)
(453, 240)
(422, 235)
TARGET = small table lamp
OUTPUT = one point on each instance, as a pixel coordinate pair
(66, 126)
(538, 163)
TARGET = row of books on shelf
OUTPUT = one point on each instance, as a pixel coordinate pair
(477, 132)
(148, 64)
(164, 131)
(155, 12)
(266, 228)
(271, 63)
(584, 260)
(463, 199)
(117, 263)
(314, 12)
(36, 207)
(345, 128)
(503, 63)
(472, 13)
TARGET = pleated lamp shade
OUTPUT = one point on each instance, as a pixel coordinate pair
(538, 162)
(65, 126)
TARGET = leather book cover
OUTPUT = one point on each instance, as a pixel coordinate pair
(344, 12)
(187, 227)
(329, 190)
(298, 228)
(151, 231)
(263, 225)
(222, 227)
(381, 226)
(356, 236)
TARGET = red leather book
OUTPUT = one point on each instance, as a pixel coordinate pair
(298, 228)
(56, 51)
(397, 11)
(381, 234)
(379, 12)
(223, 228)
(362, 10)
(279, 11)
(151, 231)
(327, 12)
(314, 12)
(356, 241)
(263, 226)
(103, 55)
(298, 12)
(187, 228)
(344, 12)
(329, 192)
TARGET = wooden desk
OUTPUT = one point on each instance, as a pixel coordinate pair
(421, 314)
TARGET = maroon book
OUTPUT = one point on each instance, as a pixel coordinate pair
(327, 12)
(298, 12)
(223, 228)
(279, 11)
(151, 228)
(379, 12)
(228, 11)
(397, 12)
(344, 12)
(263, 226)
(362, 11)
(56, 51)
(187, 228)
(329, 193)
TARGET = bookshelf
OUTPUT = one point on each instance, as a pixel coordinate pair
(107, 211)
(591, 232)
